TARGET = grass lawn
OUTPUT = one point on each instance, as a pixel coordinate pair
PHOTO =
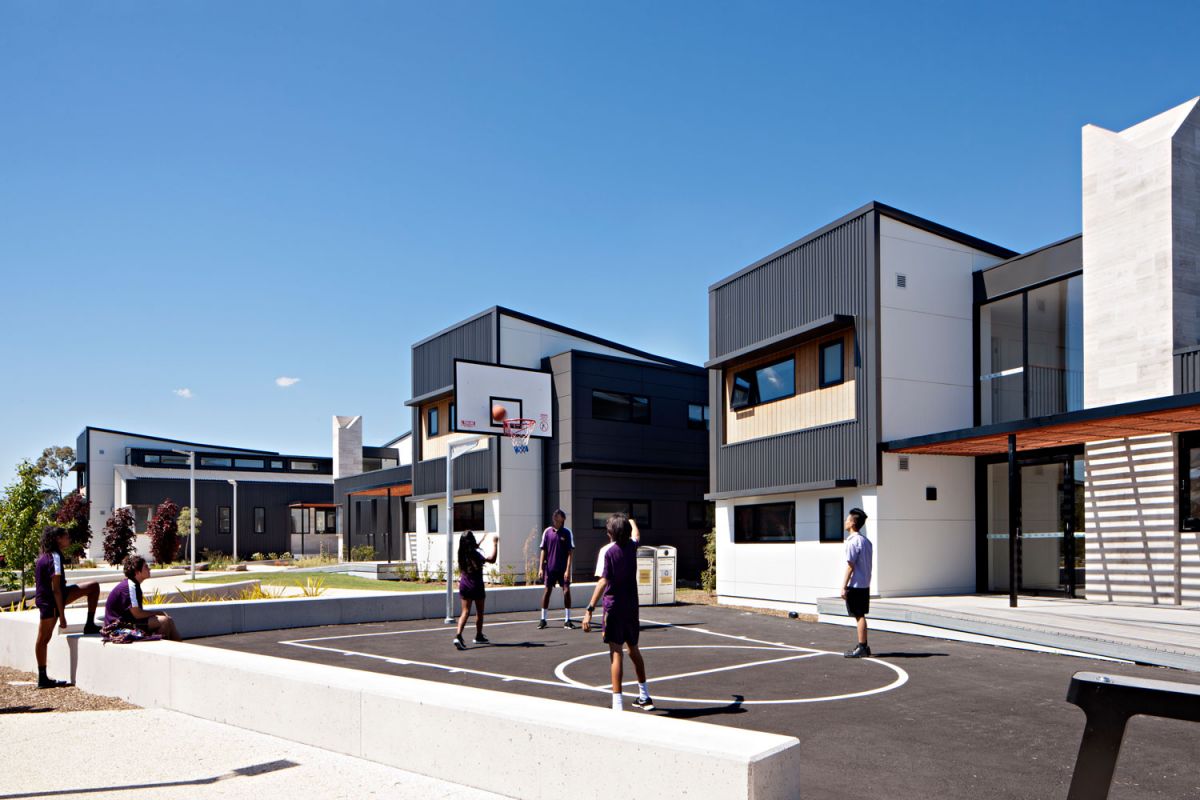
(332, 580)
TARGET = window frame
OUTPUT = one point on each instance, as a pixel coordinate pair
(470, 504)
(644, 523)
(839, 343)
(756, 510)
(705, 419)
(754, 400)
(631, 404)
(708, 515)
(431, 519)
(224, 520)
(1187, 443)
(260, 520)
(822, 504)
(431, 422)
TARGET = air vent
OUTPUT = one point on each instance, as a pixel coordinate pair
(904, 463)
(901, 281)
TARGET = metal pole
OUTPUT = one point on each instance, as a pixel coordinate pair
(192, 510)
(449, 526)
(235, 556)
(1014, 510)
(389, 527)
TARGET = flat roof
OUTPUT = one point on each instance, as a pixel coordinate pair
(1171, 414)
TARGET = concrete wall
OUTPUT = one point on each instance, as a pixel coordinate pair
(926, 363)
(347, 446)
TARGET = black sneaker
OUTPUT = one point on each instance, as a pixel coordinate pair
(862, 651)
(91, 627)
(50, 683)
(480, 639)
(644, 704)
(459, 644)
(541, 624)
(570, 624)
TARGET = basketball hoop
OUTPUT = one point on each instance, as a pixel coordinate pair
(518, 431)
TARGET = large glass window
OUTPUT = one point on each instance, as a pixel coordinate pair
(637, 510)
(697, 416)
(215, 461)
(1002, 360)
(1190, 466)
(468, 516)
(305, 466)
(620, 407)
(768, 522)
(249, 463)
(752, 387)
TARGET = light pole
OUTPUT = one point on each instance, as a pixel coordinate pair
(233, 483)
(456, 449)
(191, 454)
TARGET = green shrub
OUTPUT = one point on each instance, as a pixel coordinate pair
(363, 552)
(708, 578)
(257, 557)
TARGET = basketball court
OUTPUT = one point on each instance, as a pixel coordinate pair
(924, 718)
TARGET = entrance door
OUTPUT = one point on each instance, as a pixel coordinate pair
(1050, 544)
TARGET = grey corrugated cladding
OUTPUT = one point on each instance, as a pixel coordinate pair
(834, 271)
(472, 471)
(433, 358)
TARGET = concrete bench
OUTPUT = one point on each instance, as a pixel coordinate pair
(1109, 701)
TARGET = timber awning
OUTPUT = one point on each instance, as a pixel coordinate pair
(396, 490)
(1172, 414)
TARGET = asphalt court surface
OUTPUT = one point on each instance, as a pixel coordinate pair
(924, 718)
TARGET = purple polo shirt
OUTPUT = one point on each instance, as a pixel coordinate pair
(858, 553)
(125, 596)
(558, 544)
(620, 571)
(44, 569)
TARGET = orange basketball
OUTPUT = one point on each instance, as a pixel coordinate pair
(498, 413)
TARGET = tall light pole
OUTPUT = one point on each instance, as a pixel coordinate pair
(233, 483)
(456, 449)
(191, 454)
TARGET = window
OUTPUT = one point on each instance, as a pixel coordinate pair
(752, 387)
(141, 518)
(833, 518)
(453, 417)
(638, 510)
(305, 466)
(172, 459)
(832, 363)
(299, 521)
(215, 461)
(276, 465)
(699, 516)
(620, 407)
(468, 516)
(431, 424)
(433, 515)
(1189, 455)
(260, 519)
(249, 463)
(697, 416)
(149, 459)
(768, 522)
(326, 521)
(223, 519)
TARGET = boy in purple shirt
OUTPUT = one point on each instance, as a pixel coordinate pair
(52, 595)
(856, 583)
(618, 587)
(558, 548)
(124, 603)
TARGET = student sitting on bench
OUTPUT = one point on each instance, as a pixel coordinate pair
(124, 605)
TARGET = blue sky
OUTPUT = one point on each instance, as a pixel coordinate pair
(210, 196)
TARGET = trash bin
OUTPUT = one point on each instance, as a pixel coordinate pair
(645, 575)
(664, 575)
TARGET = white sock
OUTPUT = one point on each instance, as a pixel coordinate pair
(543, 615)
(568, 615)
(643, 692)
(618, 702)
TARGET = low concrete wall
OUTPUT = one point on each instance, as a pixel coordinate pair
(534, 748)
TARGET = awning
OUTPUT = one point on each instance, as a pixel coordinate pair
(396, 490)
(312, 505)
(1172, 414)
(809, 330)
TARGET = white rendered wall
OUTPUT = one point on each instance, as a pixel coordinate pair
(925, 546)
(525, 344)
(405, 449)
(788, 572)
(927, 367)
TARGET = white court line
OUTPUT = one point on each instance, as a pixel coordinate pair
(661, 679)
(442, 629)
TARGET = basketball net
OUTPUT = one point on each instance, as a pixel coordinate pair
(518, 432)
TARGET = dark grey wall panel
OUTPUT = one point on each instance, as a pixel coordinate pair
(1187, 371)
(472, 471)
(274, 497)
(369, 480)
(433, 358)
(1038, 266)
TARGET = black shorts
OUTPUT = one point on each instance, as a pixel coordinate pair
(858, 602)
(621, 627)
(47, 612)
(553, 579)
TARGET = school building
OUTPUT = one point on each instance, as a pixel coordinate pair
(1019, 423)
(629, 434)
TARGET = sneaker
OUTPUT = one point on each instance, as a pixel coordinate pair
(91, 627)
(862, 651)
(480, 639)
(50, 683)
(644, 703)
(541, 624)
(459, 644)
(570, 624)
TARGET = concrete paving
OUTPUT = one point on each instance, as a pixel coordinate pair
(1161, 635)
(167, 756)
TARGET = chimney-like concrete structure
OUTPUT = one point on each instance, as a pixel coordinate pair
(1141, 231)
(347, 446)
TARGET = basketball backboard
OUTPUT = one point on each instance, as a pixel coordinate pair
(523, 393)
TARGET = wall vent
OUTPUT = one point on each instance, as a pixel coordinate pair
(901, 281)
(904, 463)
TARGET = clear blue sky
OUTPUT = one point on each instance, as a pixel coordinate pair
(209, 196)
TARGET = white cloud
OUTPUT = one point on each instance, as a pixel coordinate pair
(185, 393)
(285, 381)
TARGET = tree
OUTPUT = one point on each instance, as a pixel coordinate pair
(21, 520)
(54, 464)
(73, 516)
(118, 537)
(164, 537)
(183, 524)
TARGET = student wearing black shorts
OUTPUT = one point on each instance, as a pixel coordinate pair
(856, 582)
(52, 595)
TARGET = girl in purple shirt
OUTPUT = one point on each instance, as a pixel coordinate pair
(470, 584)
(52, 595)
(124, 604)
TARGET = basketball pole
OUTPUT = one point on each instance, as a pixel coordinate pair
(456, 449)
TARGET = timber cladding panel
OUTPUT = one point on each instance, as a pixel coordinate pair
(436, 446)
(834, 271)
(809, 407)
